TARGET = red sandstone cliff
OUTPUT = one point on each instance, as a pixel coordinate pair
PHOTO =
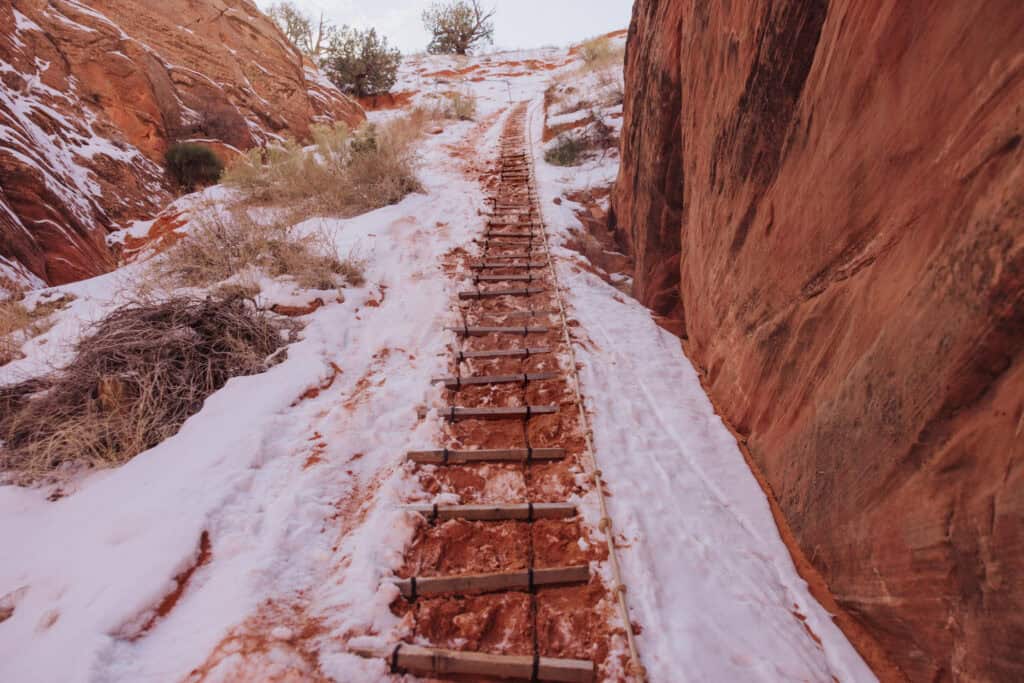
(831, 194)
(93, 92)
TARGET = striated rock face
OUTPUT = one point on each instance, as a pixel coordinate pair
(94, 92)
(831, 195)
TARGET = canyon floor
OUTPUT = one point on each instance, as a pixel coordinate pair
(265, 539)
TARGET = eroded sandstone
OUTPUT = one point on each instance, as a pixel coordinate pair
(93, 94)
(829, 196)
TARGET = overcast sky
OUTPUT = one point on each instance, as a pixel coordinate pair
(518, 23)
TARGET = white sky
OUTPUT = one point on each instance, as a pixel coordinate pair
(518, 23)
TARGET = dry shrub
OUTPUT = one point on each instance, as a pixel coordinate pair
(345, 173)
(18, 324)
(135, 378)
(572, 148)
(15, 325)
(461, 106)
(222, 245)
(567, 150)
(600, 53)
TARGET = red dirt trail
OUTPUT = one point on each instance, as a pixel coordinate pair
(574, 621)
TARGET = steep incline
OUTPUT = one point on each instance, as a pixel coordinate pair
(93, 94)
(830, 195)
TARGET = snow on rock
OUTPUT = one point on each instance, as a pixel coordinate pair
(92, 96)
(294, 477)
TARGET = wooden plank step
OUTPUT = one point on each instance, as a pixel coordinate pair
(437, 662)
(445, 456)
(487, 265)
(454, 413)
(512, 235)
(457, 382)
(495, 513)
(479, 331)
(487, 294)
(492, 583)
(508, 278)
(532, 313)
(502, 353)
(513, 254)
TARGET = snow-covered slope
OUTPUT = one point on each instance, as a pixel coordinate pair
(252, 545)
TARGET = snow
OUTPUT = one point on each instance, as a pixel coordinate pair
(23, 23)
(96, 562)
(300, 497)
(709, 577)
(36, 132)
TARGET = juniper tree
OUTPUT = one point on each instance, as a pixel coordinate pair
(458, 26)
(361, 62)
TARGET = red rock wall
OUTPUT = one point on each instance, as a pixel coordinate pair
(93, 93)
(831, 195)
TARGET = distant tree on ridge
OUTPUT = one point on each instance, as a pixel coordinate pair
(458, 26)
(311, 38)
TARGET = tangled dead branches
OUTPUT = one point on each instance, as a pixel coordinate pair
(134, 380)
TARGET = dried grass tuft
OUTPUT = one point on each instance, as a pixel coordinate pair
(135, 378)
(461, 106)
(18, 324)
(222, 245)
(345, 173)
(601, 53)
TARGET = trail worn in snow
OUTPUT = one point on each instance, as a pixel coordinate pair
(276, 535)
(513, 582)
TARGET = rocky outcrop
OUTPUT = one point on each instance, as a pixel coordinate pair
(94, 92)
(829, 195)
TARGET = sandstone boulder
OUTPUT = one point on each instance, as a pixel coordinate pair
(93, 94)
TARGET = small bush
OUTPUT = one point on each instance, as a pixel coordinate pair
(361, 63)
(222, 246)
(193, 165)
(15, 320)
(138, 375)
(18, 324)
(461, 106)
(345, 175)
(601, 52)
(566, 151)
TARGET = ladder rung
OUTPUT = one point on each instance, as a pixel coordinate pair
(437, 662)
(508, 278)
(492, 583)
(537, 313)
(456, 382)
(495, 513)
(452, 457)
(513, 255)
(488, 264)
(470, 331)
(454, 413)
(503, 353)
(485, 294)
